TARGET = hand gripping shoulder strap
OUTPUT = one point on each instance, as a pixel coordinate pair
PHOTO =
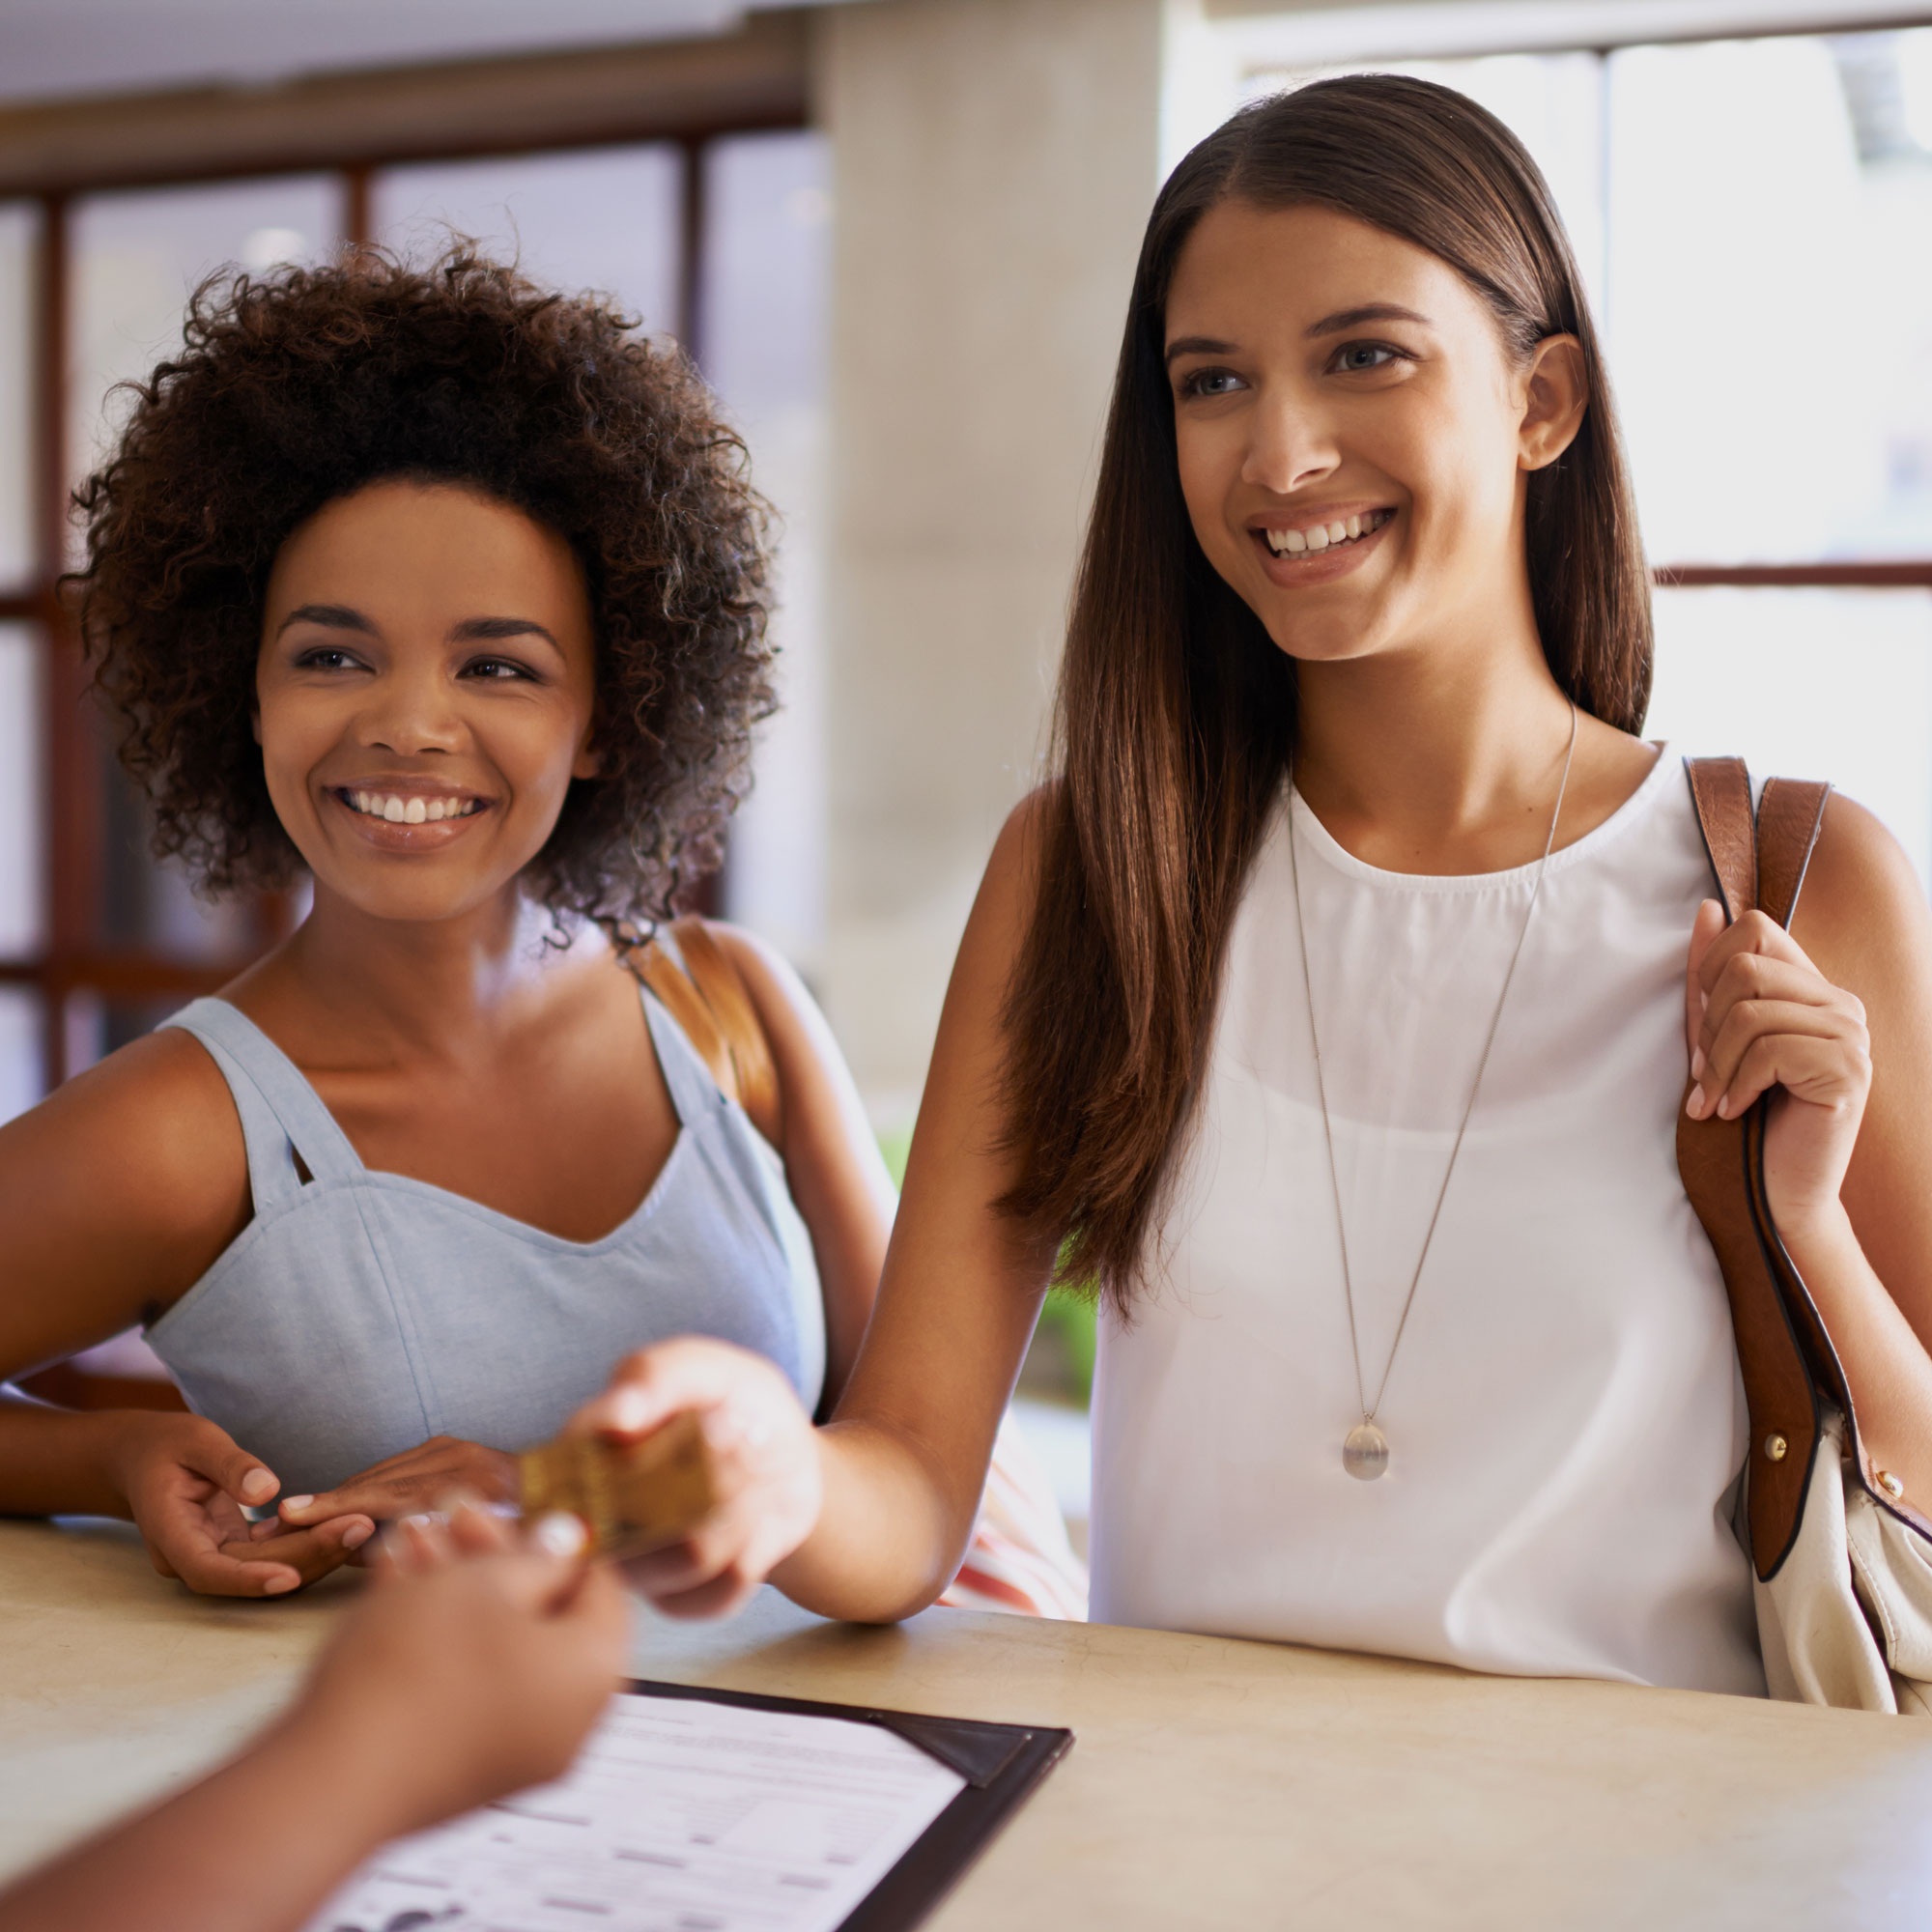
(709, 999)
(1760, 860)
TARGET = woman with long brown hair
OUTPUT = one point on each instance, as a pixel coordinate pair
(1328, 1011)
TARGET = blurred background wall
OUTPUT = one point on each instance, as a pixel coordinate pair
(897, 236)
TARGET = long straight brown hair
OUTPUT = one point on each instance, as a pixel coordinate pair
(1176, 711)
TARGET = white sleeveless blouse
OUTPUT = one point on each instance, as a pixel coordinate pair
(1564, 1416)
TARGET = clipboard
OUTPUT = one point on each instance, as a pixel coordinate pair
(1002, 1764)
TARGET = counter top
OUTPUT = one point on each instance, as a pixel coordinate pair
(1212, 1783)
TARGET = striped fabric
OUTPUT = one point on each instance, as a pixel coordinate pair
(1020, 1559)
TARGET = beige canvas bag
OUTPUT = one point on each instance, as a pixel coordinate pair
(1842, 1567)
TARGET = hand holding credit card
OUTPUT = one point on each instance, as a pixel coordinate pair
(633, 1498)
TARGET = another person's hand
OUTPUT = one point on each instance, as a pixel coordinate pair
(482, 1655)
(408, 1483)
(185, 1481)
(765, 1452)
(472, 1669)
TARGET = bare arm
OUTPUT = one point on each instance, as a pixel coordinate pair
(473, 1669)
(867, 1518)
(1838, 1015)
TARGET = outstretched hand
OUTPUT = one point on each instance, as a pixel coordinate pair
(482, 1652)
(765, 1461)
(408, 1482)
(472, 1669)
(1760, 1018)
(186, 1482)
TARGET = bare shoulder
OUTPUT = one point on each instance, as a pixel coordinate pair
(1016, 852)
(159, 1101)
(134, 1172)
(771, 979)
(1862, 916)
(1014, 868)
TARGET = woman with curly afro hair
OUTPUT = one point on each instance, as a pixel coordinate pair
(449, 592)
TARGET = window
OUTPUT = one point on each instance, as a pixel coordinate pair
(1749, 214)
(719, 238)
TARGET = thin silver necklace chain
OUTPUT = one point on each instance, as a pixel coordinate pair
(1370, 1410)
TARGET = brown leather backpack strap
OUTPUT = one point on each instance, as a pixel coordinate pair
(1719, 1162)
(1789, 815)
(681, 999)
(723, 991)
(1721, 789)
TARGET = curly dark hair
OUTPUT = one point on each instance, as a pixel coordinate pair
(298, 389)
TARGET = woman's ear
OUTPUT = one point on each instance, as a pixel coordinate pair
(1555, 393)
(589, 761)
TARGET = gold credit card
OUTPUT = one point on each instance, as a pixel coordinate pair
(632, 1497)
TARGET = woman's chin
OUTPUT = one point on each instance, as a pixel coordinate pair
(422, 900)
(1328, 638)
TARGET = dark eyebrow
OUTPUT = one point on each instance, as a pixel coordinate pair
(1197, 344)
(1330, 324)
(488, 630)
(330, 616)
(1353, 318)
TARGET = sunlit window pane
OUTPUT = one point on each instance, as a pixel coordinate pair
(1552, 103)
(136, 258)
(19, 231)
(1807, 684)
(21, 804)
(1771, 298)
(22, 1053)
(604, 219)
(765, 273)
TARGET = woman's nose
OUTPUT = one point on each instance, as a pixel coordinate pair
(1290, 445)
(409, 713)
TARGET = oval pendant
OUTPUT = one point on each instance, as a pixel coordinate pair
(1365, 1452)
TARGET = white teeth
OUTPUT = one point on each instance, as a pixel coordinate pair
(410, 811)
(1321, 536)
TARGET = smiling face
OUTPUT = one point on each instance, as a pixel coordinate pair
(1353, 442)
(424, 696)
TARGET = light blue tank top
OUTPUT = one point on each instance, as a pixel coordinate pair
(361, 1313)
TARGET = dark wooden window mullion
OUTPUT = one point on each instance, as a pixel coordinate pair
(359, 221)
(73, 848)
(1874, 575)
(706, 896)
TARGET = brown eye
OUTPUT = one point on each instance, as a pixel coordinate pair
(1358, 356)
